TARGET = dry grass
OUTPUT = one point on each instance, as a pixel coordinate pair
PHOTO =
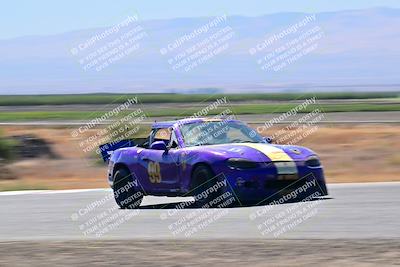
(350, 153)
(357, 153)
(75, 169)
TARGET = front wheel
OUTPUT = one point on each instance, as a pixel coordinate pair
(124, 190)
(210, 191)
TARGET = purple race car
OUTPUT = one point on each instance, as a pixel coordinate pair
(207, 159)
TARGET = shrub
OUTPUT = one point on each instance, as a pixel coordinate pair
(6, 148)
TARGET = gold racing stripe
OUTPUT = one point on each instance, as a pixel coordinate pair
(272, 152)
(285, 165)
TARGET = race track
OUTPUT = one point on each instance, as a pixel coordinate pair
(353, 211)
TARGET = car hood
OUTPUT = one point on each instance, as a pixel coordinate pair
(260, 152)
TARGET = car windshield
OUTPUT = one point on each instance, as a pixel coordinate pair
(218, 132)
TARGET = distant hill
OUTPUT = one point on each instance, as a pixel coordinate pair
(359, 50)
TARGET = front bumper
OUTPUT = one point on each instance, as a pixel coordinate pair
(266, 184)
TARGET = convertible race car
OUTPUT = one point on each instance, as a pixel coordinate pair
(208, 159)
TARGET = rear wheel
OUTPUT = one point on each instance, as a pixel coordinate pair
(124, 190)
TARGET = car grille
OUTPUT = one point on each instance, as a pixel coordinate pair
(281, 184)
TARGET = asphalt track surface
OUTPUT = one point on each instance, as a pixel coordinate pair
(352, 211)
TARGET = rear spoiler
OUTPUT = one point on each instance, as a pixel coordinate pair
(107, 149)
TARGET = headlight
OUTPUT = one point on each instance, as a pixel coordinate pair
(238, 163)
(313, 161)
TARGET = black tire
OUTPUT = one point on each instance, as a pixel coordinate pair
(124, 192)
(204, 178)
(323, 189)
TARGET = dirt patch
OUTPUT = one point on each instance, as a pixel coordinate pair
(6, 173)
(349, 153)
(202, 253)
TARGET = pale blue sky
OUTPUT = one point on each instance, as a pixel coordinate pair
(29, 17)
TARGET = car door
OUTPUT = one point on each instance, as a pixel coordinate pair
(162, 165)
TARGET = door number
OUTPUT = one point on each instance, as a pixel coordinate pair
(153, 169)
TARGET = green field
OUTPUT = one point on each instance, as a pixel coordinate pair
(14, 100)
(179, 112)
(366, 101)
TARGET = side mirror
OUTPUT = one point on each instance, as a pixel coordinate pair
(268, 139)
(173, 145)
(158, 145)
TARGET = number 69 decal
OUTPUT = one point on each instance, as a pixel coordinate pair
(153, 169)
